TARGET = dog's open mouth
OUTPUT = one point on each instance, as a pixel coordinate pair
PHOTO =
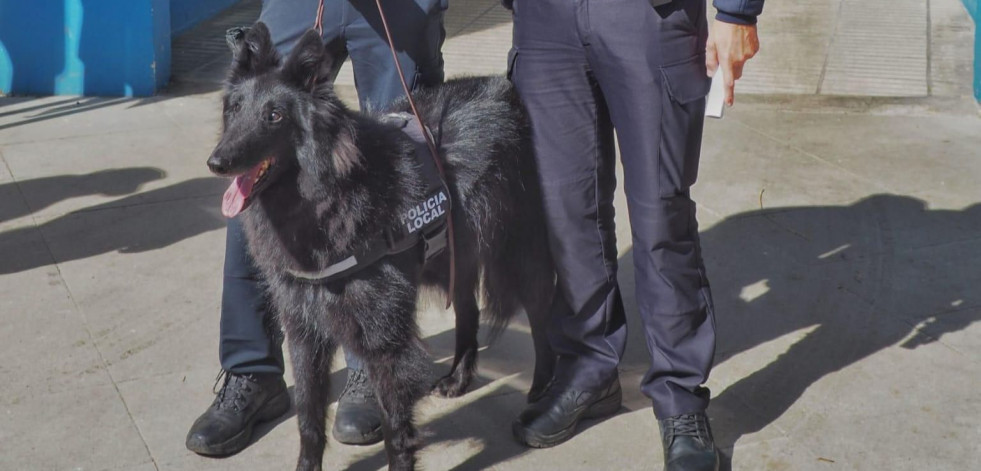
(239, 194)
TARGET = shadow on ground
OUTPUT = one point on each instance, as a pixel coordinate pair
(44, 192)
(494, 362)
(852, 280)
(849, 280)
(139, 222)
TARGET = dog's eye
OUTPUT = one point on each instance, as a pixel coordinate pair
(274, 117)
(233, 108)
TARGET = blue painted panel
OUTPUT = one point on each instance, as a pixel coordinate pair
(187, 13)
(26, 32)
(975, 11)
(90, 47)
(977, 61)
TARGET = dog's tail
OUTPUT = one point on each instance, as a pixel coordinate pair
(517, 267)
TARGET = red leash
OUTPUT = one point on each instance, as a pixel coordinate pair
(319, 24)
(425, 132)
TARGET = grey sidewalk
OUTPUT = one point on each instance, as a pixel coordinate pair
(842, 236)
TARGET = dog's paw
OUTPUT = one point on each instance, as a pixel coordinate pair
(450, 386)
(304, 465)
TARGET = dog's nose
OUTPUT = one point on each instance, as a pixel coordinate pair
(218, 165)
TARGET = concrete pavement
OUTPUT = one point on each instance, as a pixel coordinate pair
(842, 236)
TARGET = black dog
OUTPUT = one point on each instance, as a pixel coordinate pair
(314, 181)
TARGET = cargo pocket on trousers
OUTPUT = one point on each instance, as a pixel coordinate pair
(684, 86)
(512, 58)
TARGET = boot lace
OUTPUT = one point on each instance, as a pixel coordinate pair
(357, 385)
(236, 391)
(691, 425)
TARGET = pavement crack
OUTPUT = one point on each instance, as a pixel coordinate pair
(98, 134)
(81, 108)
(818, 158)
(827, 52)
(88, 330)
(929, 48)
(773, 221)
(111, 207)
(474, 20)
(105, 363)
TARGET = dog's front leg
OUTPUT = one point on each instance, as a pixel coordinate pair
(399, 382)
(311, 358)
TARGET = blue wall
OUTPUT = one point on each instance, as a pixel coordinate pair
(93, 47)
(187, 13)
(84, 47)
(975, 10)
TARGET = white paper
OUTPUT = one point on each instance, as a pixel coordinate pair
(715, 103)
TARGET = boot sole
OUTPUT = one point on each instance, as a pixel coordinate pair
(370, 438)
(272, 409)
(373, 436)
(607, 406)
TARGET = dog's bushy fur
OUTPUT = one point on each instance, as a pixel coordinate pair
(338, 178)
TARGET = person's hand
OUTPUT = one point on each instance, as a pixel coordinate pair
(730, 46)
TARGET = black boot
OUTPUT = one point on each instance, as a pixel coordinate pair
(553, 418)
(243, 400)
(359, 419)
(688, 444)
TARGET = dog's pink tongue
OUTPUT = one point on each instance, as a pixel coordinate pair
(237, 195)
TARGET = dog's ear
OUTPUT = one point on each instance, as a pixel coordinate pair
(309, 64)
(252, 51)
(235, 36)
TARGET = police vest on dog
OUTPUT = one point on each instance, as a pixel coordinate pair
(423, 223)
(426, 212)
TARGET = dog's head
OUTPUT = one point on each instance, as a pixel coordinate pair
(274, 114)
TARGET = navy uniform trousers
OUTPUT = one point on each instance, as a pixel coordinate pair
(249, 341)
(583, 69)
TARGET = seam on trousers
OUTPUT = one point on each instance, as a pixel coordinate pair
(596, 199)
(610, 274)
(705, 290)
(665, 96)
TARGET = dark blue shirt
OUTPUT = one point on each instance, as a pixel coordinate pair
(743, 12)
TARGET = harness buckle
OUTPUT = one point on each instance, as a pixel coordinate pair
(434, 243)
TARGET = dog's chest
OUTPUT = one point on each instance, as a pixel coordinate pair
(346, 310)
(288, 240)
